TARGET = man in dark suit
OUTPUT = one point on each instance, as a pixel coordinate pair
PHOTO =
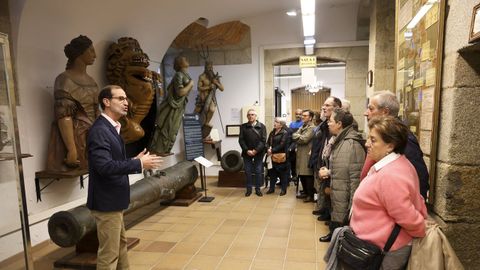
(108, 185)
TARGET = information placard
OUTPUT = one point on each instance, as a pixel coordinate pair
(192, 135)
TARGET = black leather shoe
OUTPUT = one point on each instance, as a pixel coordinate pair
(318, 212)
(301, 196)
(283, 192)
(324, 218)
(308, 199)
(327, 223)
(248, 193)
(259, 193)
(326, 238)
(270, 191)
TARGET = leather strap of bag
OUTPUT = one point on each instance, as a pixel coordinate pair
(392, 238)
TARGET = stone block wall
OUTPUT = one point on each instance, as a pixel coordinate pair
(457, 184)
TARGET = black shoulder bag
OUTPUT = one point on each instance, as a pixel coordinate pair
(363, 255)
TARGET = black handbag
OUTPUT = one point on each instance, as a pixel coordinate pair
(363, 255)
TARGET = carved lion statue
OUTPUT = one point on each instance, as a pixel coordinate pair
(127, 67)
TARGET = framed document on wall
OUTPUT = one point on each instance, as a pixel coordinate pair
(475, 25)
(232, 130)
(419, 28)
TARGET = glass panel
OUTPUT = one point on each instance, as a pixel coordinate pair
(11, 241)
(419, 46)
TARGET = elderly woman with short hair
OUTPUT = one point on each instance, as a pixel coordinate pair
(389, 194)
(277, 143)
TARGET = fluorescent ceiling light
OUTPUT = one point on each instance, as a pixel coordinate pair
(308, 17)
(292, 13)
(309, 41)
(308, 6)
(420, 14)
(308, 25)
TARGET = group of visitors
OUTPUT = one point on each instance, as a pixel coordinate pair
(372, 185)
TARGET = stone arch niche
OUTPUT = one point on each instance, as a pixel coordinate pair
(356, 67)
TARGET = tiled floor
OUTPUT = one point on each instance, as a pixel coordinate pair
(231, 232)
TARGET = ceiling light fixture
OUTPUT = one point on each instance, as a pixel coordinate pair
(308, 21)
(292, 13)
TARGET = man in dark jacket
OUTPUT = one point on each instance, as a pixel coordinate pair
(108, 185)
(386, 103)
(252, 140)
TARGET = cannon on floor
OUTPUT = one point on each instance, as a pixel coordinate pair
(67, 228)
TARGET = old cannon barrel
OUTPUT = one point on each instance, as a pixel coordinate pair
(66, 228)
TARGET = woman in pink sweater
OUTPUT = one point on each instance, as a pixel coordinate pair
(389, 194)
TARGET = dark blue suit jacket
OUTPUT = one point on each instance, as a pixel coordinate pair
(108, 185)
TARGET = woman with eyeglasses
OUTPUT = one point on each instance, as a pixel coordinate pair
(389, 194)
(277, 144)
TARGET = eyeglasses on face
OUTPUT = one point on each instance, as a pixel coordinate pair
(120, 98)
(251, 114)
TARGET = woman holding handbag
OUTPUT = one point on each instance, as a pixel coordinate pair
(389, 194)
(277, 144)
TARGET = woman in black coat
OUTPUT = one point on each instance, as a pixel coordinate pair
(277, 144)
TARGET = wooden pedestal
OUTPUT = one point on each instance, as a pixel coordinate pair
(86, 260)
(231, 179)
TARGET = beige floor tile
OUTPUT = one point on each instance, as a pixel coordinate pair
(162, 227)
(247, 242)
(203, 262)
(149, 235)
(234, 264)
(276, 232)
(170, 236)
(197, 237)
(225, 229)
(145, 258)
(256, 223)
(299, 265)
(186, 247)
(234, 222)
(274, 242)
(321, 265)
(270, 254)
(301, 255)
(221, 238)
(301, 243)
(267, 264)
(240, 252)
(214, 249)
(173, 261)
(181, 228)
(142, 244)
(136, 267)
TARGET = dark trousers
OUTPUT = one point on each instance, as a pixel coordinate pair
(307, 183)
(279, 171)
(253, 169)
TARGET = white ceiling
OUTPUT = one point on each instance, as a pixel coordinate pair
(235, 10)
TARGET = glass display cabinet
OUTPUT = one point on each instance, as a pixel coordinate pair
(14, 228)
(418, 61)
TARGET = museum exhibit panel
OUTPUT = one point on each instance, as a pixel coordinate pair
(14, 225)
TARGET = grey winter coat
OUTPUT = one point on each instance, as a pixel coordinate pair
(345, 164)
(303, 137)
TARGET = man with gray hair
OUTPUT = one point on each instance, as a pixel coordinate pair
(252, 140)
(386, 103)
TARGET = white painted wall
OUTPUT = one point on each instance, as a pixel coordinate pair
(40, 30)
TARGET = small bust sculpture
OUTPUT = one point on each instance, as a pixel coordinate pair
(75, 108)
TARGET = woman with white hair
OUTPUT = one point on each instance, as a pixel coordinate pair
(277, 144)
